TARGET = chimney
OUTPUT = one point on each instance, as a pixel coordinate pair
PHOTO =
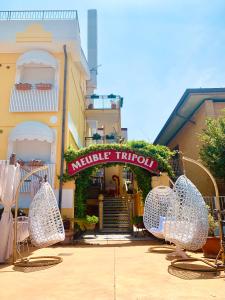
(92, 49)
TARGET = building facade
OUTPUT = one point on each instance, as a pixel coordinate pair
(47, 100)
(182, 129)
(44, 76)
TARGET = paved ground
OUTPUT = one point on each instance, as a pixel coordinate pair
(108, 270)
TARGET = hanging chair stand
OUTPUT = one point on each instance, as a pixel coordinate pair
(214, 265)
(38, 261)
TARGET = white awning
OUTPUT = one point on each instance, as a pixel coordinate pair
(37, 57)
(32, 131)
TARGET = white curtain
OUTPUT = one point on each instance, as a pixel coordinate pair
(9, 181)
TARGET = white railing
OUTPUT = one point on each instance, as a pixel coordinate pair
(34, 100)
(102, 103)
(39, 15)
(50, 172)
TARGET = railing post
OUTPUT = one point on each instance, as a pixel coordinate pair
(100, 211)
(130, 211)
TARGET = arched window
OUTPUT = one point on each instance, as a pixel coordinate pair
(33, 141)
(37, 66)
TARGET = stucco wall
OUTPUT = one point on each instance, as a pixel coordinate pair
(189, 144)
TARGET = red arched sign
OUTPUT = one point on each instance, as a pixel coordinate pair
(111, 156)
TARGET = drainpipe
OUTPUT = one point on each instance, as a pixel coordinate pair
(63, 127)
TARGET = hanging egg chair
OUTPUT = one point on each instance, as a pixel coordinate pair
(157, 203)
(187, 217)
(45, 223)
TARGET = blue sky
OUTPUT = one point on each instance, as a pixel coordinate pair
(150, 52)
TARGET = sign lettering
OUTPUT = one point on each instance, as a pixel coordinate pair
(111, 156)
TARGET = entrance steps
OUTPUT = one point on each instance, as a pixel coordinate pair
(115, 216)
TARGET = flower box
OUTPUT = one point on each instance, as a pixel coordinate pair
(113, 105)
(35, 163)
(23, 86)
(43, 86)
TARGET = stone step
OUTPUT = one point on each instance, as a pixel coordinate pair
(116, 214)
(106, 230)
(108, 225)
(115, 207)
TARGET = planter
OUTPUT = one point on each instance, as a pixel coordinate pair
(211, 247)
(110, 137)
(90, 226)
(140, 225)
(113, 105)
(96, 137)
(90, 106)
(66, 224)
(23, 86)
(43, 86)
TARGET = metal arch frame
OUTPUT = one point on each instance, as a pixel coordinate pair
(218, 207)
(16, 207)
(214, 266)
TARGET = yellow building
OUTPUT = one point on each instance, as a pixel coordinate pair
(47, 97)
(44, 77)
(182, 129)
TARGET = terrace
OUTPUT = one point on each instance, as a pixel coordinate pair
(39, 15)
(104, 102)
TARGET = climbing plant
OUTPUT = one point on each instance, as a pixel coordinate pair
(160, 153)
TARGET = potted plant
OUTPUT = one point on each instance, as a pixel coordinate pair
(212, 245)
(90, 222)
(110, 136)
(137, 221)
(23, 86)
(43, 86)
(96, 136)
(113, 104)
(90, 106)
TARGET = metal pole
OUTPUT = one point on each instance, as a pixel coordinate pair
(218, 207)
(16, 207)
(63, 127)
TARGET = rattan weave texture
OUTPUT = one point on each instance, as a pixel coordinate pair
(45, 222)
(187, 217)
(156, 206)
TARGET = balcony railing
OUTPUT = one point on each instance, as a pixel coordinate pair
(50, 172)
(104, 102)
(90, 141)
(34, 100)
(39, 15)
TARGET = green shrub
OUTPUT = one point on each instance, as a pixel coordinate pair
(91, 219)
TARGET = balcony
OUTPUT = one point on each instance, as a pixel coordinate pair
(50, 172)
(103, 140)
(105, 102)
(33, 100)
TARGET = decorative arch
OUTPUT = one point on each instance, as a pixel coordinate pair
(160, 154)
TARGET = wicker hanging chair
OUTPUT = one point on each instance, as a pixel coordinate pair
(45, 223)
(156, 205)
(187, 218)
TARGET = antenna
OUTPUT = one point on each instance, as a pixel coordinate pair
(95, 68)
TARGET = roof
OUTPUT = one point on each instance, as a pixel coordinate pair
(189, 103)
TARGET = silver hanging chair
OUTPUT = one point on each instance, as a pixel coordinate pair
(187, 217)
(157, 203)
(45, 222)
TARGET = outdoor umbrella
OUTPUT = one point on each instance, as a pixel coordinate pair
(9, 181)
